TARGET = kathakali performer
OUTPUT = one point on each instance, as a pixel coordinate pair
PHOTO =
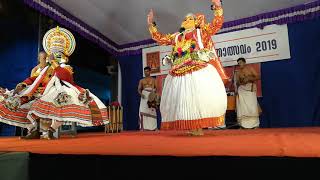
(193, 95)
(50, 94)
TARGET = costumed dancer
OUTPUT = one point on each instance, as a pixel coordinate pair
(50, 94)
(193, 95)
(62, 100)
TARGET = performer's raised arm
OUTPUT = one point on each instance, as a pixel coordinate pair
(216, 24)
(162, 39)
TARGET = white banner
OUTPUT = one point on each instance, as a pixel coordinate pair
(256, 45)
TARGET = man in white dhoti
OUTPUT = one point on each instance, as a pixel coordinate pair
(147, 115)
(247, 103)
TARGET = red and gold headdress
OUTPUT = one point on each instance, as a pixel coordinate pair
(60, 42)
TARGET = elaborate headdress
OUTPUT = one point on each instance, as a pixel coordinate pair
(198, 18)
(59, 42)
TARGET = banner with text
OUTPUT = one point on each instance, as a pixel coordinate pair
(256, 45)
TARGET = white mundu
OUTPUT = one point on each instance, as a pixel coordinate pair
(247, 106)
(148, 116)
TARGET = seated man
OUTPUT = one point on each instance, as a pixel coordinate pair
(246, 99)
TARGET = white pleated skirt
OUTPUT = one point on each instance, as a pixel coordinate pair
(192, 101)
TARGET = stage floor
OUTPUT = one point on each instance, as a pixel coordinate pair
(276, 142)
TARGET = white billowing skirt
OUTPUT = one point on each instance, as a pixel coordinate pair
(194, 100)
(71, 111)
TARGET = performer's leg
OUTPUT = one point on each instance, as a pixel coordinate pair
(52, 129)
(200, 132)
(56, 124)
(196, 132)
(34, 132)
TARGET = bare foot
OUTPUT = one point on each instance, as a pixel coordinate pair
(200, 132)
(197, 132)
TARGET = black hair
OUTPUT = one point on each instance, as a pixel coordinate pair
(242, 59)
(182, 29)
(147, 68)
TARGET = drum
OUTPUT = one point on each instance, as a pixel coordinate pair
(231, 103)
(154, 100)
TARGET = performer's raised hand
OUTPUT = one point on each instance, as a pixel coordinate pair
(150, 17)
(20, 87)
(2, 90)
(216, 2)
